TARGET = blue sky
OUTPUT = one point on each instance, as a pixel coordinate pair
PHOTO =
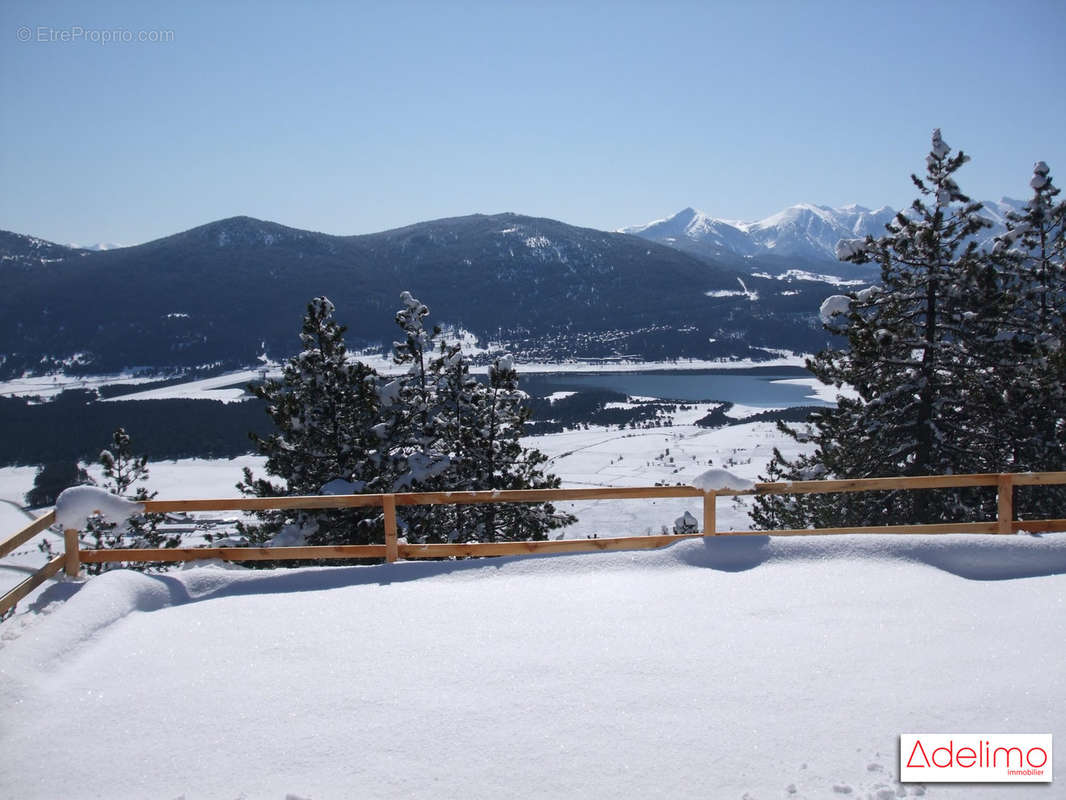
(352, 118)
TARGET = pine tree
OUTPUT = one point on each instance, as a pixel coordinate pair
(459, 397)
(908, 359)
(1035, 245)
(434, 428)
(122, 472)
(51, 479)
(451, 432)
(1025, 394)
(325, 408)
(411, 423)
(497, 460)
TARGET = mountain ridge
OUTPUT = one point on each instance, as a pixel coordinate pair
(804, 231)
(231, 290)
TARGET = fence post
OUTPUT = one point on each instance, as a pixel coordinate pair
(1005, 489)
(710, 501)
(392, 546)
(72, 564)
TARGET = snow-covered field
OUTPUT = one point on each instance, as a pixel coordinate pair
(582, 458)
(227, 388)
(727, 668)
(48, 386)
(661, 455)
(187, 478)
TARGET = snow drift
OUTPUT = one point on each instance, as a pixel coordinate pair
(681, 672)
(76, 505)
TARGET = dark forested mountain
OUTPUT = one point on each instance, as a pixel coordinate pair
(18, 250)
(231, 290)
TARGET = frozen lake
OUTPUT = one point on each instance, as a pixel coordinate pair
(754, 387)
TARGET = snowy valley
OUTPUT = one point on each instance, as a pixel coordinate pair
(383, 431)
(795, 660)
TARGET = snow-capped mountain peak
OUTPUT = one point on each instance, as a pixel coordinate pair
(695, 231)
(803, 231)
(96, 247)
(811, 231)
(996, 211)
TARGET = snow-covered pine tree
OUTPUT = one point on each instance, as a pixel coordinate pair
(448, 431)
(907, 360)
(987, 380)
(1035, 244)
(494, 458)
(410, 430)
(122, 471)
(325, 408)
(436, 428)
(458, 396)
(1026, 388)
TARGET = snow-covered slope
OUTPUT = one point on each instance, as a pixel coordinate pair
(811, 231)
(804, 231)
(696, 232)
(996, 213)
(97, 246)
(720, 668)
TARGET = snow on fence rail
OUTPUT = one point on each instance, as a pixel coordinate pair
(392, 550)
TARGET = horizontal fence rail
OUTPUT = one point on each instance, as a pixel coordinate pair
(54, 565)
(393, 549)
(40, 524)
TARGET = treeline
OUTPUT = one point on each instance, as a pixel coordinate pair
(589, 407)
(75, 426)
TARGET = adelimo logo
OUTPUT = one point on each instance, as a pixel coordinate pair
(975, 757)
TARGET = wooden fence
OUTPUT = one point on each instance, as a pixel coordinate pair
(392, 550)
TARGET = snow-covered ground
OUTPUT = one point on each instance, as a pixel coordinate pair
(748, 667)
(581, 458)
(47, 386)
(739, 667)
(19, 565)
(187, 478)
(227, 388)
(645, 457)
(819, 391)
